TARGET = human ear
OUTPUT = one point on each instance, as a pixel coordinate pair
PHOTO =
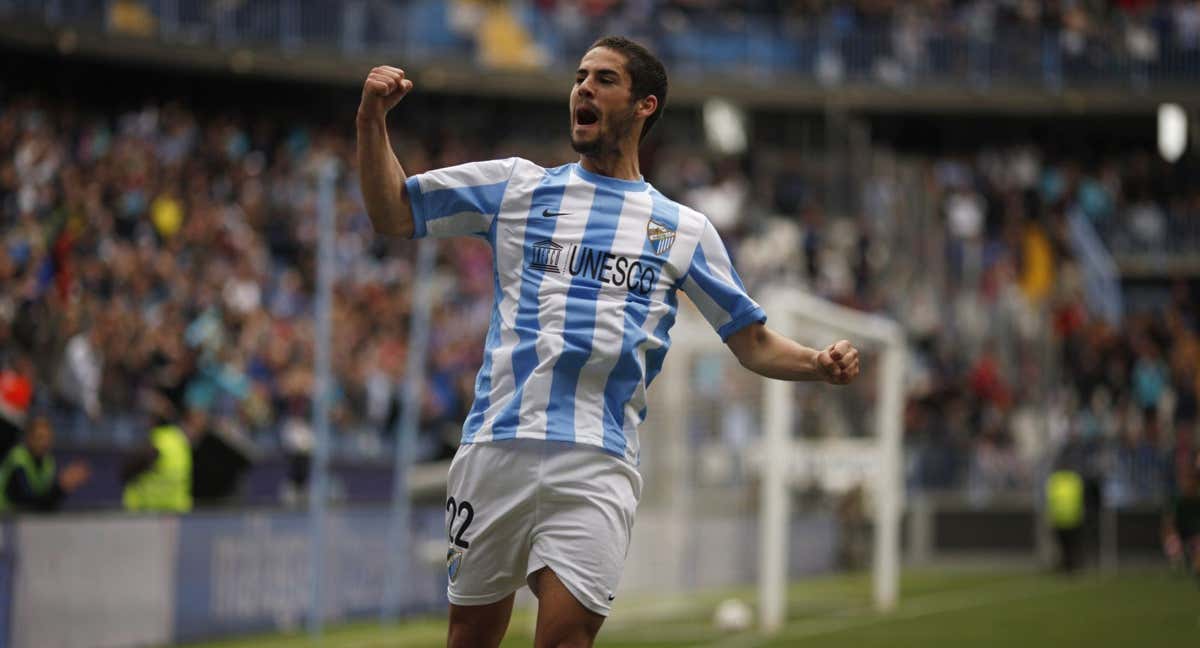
(647, 105)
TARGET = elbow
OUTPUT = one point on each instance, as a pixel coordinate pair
(751, 348)
(748, 361)
(753, 353)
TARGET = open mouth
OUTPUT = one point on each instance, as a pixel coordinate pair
(586, 116)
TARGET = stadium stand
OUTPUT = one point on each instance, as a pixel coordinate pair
(190, 235)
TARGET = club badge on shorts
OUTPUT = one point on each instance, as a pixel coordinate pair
(454, 558)
(661, 237)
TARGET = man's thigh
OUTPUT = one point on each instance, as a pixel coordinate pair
(562, 620)
(479, 626)
(489, 514)
(584, 523)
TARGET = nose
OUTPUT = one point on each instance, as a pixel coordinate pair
(585, 88)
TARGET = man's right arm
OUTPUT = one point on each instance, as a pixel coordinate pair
(380, 174)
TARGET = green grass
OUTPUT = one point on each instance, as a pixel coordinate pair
(939, 609)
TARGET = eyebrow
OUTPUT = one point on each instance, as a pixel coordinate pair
(599, 72)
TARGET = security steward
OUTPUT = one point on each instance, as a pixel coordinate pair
(158, 477)
(29, 479)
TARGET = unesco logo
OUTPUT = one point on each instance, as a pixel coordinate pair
(637, 275)
(545, 256)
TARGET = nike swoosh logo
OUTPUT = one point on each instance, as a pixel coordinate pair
(611, 597)
(551, 214)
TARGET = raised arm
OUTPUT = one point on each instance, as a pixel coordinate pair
(770, 354)
(380, 174)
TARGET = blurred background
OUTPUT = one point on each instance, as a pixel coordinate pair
(1015, 182)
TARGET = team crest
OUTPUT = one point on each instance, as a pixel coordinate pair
(454, 558)
(661, 237)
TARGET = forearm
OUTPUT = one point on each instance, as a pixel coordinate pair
(382, 179)
(772, 355)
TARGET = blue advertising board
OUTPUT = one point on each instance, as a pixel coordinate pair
(249, 572)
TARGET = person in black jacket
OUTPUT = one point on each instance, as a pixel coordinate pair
(1181, 520)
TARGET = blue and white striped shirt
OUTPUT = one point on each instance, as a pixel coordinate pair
(586, 271)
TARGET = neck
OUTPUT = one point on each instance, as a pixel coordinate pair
(621, 164)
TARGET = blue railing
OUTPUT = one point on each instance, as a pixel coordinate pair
(756, 46)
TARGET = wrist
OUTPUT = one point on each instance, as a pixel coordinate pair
(369, 119)
(812, 364)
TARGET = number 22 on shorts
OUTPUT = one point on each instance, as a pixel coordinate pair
(458, 510)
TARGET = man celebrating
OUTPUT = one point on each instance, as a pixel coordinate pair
(588, 261)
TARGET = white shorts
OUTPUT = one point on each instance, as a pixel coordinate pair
(519, 505)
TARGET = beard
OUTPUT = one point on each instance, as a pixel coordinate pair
(608, 139)
(592, 148)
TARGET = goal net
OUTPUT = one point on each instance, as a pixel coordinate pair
(754, 482)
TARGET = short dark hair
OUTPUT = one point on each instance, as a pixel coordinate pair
(647, 74)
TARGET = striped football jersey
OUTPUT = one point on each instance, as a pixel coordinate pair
(587, 269)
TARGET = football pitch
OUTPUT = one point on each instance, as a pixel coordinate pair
(939, 609)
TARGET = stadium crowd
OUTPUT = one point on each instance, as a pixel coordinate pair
(1053, 44)
(155, 252)
(895, 41)
(1177, 21)
(165, 251)
(1034, 362)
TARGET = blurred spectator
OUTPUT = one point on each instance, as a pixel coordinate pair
(79, 377)
(29, 478)
(158, 475)
(220, 458)
(297, 438)
(16, 395)
(1181, 520)
(1065, 508)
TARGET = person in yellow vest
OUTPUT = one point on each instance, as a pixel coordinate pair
(29, 480)
(1065, 509)
(158, 478)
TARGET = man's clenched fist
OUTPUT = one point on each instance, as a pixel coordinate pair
(384, 88)
(838, 363)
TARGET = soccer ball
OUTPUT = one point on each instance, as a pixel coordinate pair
(733, 615)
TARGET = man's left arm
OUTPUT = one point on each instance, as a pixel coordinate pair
(769, 354)
(715, 288)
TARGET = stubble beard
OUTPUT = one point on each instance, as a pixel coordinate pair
(607, 143)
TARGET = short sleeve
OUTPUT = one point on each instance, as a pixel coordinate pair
(714, 286)
(458, 200)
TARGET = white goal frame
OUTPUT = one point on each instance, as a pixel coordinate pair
(786, 307)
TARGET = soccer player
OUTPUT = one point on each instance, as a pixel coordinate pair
(588, 262)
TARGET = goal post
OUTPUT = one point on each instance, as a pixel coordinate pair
(803, 316)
